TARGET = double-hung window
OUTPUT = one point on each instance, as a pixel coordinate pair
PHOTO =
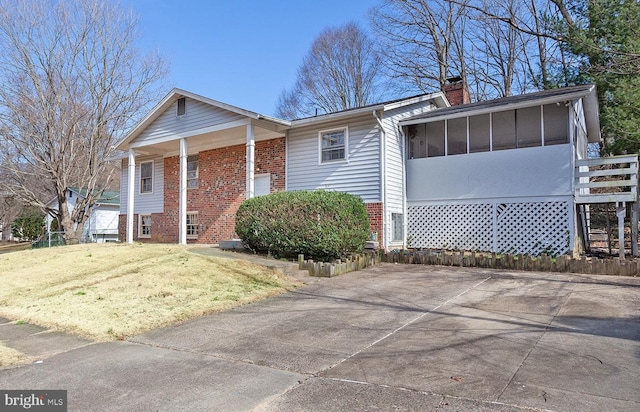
(192, 172)
(192, 225)
(144, 228)
(333, 145)
(146, 177)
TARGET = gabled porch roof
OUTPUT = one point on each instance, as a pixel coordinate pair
(218, 135)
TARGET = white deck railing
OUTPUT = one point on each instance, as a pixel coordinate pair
(607, 179)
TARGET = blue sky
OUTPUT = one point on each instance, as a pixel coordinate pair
(241, 52)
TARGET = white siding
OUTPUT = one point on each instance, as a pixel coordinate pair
(360, 175)
(530, 172)
(198, 115)
(394, 153)
(102, 224)
(143, 202)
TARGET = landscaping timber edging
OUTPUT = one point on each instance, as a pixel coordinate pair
(543, 263)
(339, 267)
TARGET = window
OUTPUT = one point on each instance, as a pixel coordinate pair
(528, 127)
(507, 129)
(192, 172)
(457, 136)
(182, 107)
(146, 177)
(504, 130)
(417, 141)
(426, 140)
(144, 227)
(333, 145)
(435, 138)
(480, 133)
(556, 124)
(192, 225)
(397, 223)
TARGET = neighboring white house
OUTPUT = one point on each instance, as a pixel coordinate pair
(492, 176)
(102, 225)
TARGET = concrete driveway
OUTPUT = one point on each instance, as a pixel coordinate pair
(392, 337)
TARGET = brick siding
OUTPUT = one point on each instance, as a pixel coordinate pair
(221, 190)
(376, 220)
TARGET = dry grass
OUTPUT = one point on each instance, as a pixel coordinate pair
(10, 356)
(107, 292)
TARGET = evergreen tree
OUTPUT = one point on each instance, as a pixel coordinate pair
(605, 36)
(29, 224)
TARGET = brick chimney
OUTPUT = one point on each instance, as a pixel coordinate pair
(456, 91)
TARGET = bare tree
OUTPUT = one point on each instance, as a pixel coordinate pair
(423, 41)
(493, 45)
(72, 84)
(536, 22)
(341, 71)
(10, 207)
(502, 52)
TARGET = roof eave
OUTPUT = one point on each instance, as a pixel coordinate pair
(438, 99)
(145, 121)
(589, 96)
(335, 116)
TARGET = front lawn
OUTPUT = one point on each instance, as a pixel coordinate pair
(106, 292)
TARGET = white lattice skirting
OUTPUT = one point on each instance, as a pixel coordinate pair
(529, 228)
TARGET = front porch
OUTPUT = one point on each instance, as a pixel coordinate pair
(191, 163)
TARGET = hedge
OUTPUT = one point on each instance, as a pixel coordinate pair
(321, 225)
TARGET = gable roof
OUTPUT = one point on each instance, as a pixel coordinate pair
(586, 92)
(176, 94)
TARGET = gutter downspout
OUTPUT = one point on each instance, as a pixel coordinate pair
(383, 177)
(405, 217)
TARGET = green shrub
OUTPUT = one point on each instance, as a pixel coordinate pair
(321, 225)
(29, 225)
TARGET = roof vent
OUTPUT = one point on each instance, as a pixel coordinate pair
(182, 107)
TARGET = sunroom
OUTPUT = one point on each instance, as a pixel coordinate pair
(499, 175)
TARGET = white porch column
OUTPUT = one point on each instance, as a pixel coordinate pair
(251, 145)
(131, 183)
(182, 208)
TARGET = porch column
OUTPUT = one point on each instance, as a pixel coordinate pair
(251, 144)
(182, 200)
(131, 182)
